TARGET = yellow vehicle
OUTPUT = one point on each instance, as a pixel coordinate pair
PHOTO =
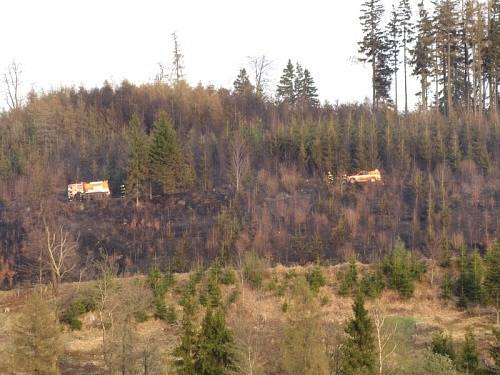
(364, 176)
(84, 190)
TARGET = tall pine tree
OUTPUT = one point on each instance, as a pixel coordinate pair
(447, 48)
(374, 49)
(422, 54)
(394, 39)
(407, 31)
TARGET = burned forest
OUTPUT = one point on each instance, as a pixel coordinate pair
(163, 226)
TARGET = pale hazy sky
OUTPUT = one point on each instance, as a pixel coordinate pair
(75, 42)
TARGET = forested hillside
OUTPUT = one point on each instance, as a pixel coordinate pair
(232, 243)
(249, 173)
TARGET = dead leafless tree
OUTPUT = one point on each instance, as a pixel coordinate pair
(106, 286)
(60, 254)
(383, 338)
(250, 338)
(162, 75)
(12, 82)
(242, 245)
(177, 61)
(260, 67)
(238, 159)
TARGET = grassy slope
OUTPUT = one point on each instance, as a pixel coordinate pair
(416, 318)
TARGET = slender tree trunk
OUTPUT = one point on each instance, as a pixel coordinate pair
(480, 86)
(490, 81)
(396, 85)
(137, 193)
(436, 81)
(448, 79)
(466, 78)
(406, 85)
(423, 85)
(374, 100)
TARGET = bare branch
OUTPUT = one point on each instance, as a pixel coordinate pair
(260, 66)
(60, 251)
(238, 158)
(162, 75)
(177, 61)
(12, 82)
(383, 338)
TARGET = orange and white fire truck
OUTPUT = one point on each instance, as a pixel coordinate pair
(88, 190)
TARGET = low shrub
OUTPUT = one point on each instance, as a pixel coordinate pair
(372, 284)
(254, 270)
(81, 304)
(170, 315)
(315, 279)
(228, 277)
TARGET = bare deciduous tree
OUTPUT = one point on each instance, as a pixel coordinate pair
(105, 286)
(250, 336)
(260, 67)
(12, 81)
(162, 75)
(59, 254)
(383, 338)
(238, 158)
(242, 245)
(177, 61)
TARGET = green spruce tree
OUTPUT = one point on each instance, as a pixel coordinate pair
(454, 152)
(359, 349)
(446, 286)
(349, 282)
(36, 340)
(495, 351)
(469, 359)
(242, 85)
(492, 277)
(298, 84)
(302, 347)
(166, 159)
(461, 282)
(285, 92)
(185, 352)
(442, 344)
(402, 269)
(309, 90)
(474, 284)
(214, 350)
